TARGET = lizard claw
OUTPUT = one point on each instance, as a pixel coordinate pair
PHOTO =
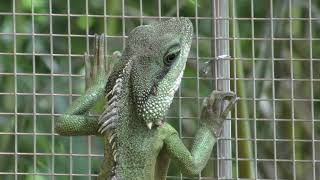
(216, 108)
(221, 103)
(95, 69)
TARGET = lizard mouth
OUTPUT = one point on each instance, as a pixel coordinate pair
(160, 122)
(157, 124)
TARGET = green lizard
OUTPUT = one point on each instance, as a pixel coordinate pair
(139, 91)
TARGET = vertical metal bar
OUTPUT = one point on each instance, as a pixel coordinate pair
(70, 85)
(235, 87)
(178, 7)
(214, 64)
(105, 31)
(33, 91)
(180, 117)
(179, 106)
(159, 9)
(197, 59)
(141, 11)
(123, 24)
(15, 90)
(223, 84)
(273, 91)
(311, 92)
(87, 49)
(51, 92)
(254, 91)
(291, 92)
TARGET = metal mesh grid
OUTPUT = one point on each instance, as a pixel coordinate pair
(281, 100)
(274, 128)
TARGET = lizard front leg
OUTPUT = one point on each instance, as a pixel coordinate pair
(213, 115)
(76, 121)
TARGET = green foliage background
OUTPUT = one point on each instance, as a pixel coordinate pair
(281, 114)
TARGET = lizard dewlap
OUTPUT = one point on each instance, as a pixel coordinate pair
(139, 92)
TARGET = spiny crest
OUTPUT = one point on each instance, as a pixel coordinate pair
(109, 117)
(110, 114)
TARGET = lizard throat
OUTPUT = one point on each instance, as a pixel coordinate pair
(154, 109)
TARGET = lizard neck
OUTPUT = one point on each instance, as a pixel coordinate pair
(126, 125)
(129, 120)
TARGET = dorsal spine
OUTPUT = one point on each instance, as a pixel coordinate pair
(108, 119)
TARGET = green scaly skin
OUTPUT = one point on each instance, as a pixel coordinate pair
(139, 91)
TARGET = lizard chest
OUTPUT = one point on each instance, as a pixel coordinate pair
(139, 148)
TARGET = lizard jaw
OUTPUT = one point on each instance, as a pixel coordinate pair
(158, 123)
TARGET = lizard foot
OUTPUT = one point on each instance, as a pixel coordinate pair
(216, 108)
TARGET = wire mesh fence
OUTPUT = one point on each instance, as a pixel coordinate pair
(274, 69)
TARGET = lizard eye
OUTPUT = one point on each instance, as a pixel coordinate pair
(171, 56)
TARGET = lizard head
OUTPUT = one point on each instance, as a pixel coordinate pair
(160, 53)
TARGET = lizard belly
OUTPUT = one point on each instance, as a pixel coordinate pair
(133, 173)
(138, 156)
